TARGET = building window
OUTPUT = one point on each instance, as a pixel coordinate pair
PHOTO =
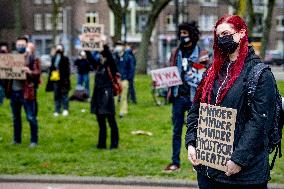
(207, 22)
(209, 2)
(38, 22)
(170, 22)
(141, 21)
(91, 1)
(92, 18)
(280, 23)
(48, 1)
(48, 21)
(37, 2)
(59, 21)
(258, 26)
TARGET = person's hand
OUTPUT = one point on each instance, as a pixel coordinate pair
(232, 168)
(27, 70)
(192, 155)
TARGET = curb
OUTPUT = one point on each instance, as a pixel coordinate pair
(138, 181)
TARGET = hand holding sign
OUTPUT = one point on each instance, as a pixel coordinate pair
(232, 168)
(192, 156)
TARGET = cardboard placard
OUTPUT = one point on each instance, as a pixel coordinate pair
(92, 37)
(215, 135)
(11, 66)
(166, 77)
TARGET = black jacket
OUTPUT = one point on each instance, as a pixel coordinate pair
(64, 72)
(103, 98)
(250, 137)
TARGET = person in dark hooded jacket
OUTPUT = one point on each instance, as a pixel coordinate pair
(102, 102)
(225, 85)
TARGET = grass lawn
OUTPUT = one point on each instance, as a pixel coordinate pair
(67, 145)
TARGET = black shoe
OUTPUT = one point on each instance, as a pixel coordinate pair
(101, 147)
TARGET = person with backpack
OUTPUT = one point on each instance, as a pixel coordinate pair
(227, 84)
(102, 102)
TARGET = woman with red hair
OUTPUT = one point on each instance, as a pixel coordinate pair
(225, 85)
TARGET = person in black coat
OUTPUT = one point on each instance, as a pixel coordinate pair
(59, 81)
(102, 103)
(225, 85)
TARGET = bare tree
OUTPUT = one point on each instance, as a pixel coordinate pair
(266, 26)
(119, 11)
(156, 8)
(251, 17)
(57, 5)
(17, 14)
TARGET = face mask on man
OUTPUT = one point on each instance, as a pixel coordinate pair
(184, 40)
(118, 49)
(227, 44)
(21, 50)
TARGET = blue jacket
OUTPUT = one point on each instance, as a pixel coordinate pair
(126, 66)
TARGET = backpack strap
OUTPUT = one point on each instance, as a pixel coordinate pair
(253, 78)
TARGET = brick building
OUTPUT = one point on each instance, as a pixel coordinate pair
(36, 22)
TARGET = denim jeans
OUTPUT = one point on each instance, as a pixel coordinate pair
(181, 105)
(83, 80)
(17, 101)
(207, 183)
(131, 91)
(60, 98)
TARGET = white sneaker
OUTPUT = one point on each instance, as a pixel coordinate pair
(55, 114)
(65, 113)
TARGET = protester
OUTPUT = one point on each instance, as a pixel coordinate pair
(131, 90)
(125, 64)
(83, 69)
(59, 81)
(184, 57)
(23, 93)
(225, 85)
(3, 50)
(102, 103)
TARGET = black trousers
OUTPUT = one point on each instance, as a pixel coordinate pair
(207, 183)
(101, 118)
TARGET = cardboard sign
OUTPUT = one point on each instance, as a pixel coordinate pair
(92, 37)
(215, 135)
(166, 77)
(11, 66)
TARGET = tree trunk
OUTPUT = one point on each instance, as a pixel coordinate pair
(118, 25)
(17, 14)
(54, 19)
(251, 21)
(242, 8)
(266, 27)
(142, 57)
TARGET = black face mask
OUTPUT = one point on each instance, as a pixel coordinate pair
(227, 44)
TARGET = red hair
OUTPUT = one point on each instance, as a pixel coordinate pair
(204, 91)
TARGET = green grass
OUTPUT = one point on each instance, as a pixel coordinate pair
(67, 145)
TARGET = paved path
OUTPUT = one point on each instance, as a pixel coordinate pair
(75, 186)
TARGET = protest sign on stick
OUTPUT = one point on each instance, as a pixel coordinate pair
(215, 135)
(92, 37)
(166, 77)
(12, 66)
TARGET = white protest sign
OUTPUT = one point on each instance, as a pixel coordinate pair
(11, 66)
(215, 135)
(166, 77)
(92, 37)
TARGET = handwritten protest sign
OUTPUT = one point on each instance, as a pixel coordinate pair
(92, 37)
(11, 66)
(215, 135)
(166, 77)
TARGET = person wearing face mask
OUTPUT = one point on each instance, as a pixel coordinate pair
(102, 103)
(23, 93)
(125, 64)
(225, 85)
(59, 81)
(184, 57)
(83, 69)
